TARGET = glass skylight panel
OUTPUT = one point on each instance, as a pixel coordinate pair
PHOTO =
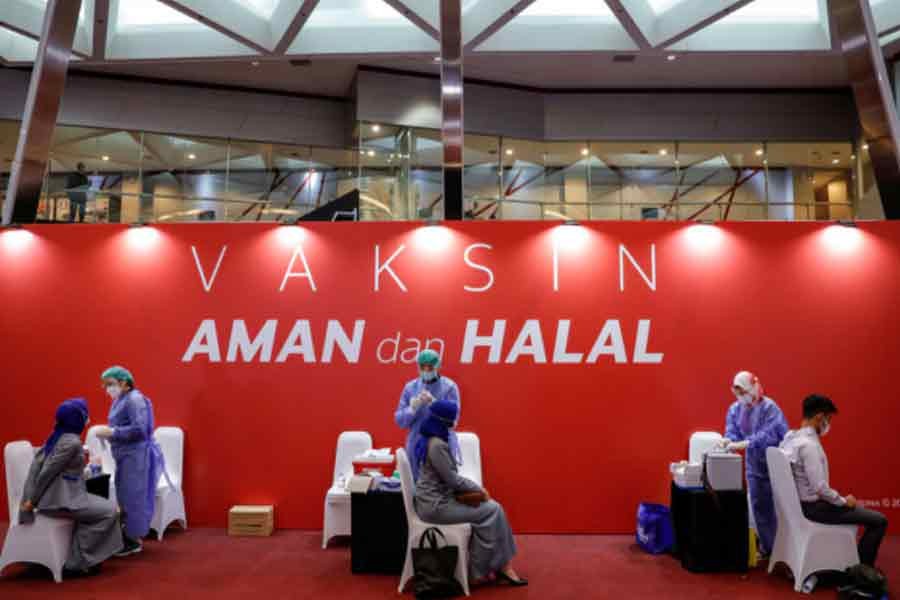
(776, 11)
(141, 14)
(17, 48)
(569, 8)
(354, 13)
(661, 6)
(264, 8)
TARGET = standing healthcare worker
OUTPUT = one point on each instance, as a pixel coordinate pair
(754, 423)
(430, 386)
(139, 460)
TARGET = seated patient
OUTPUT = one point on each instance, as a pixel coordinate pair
(444, 497)
(809, 464)
(55, 485)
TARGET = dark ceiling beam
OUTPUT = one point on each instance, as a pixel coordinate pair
(101, 27)
(45, 91)
(498, 24)
(629, 24)
(297, 23)
(183, 8)
(416, 19)
(874, 99)
(452, 107)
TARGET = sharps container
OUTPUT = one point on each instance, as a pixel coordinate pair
(724, 471)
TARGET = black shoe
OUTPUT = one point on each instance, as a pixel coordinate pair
(131, 547)
(506, 579)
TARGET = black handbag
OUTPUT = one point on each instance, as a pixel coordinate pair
(434, 567)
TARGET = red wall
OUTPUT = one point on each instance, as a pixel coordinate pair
(567, 447)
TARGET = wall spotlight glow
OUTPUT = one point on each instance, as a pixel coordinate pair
(290, 234)
(104, 158)
(142, 238)
(376, 128)
(191, 156)
(570, 236)
(663, 152)
(671, 57)
(585, 151)
(703, 237)
(760, 151)
(370, 153)
(865, 146)
(433, 237)
(15, 240)
(509, 151)
(842, 239)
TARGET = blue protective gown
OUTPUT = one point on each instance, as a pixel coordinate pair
(763, 425)
(139, 460)
(443, 388)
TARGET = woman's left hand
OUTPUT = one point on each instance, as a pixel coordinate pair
(104, 432)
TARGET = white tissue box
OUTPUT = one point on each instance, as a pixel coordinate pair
(687, 474)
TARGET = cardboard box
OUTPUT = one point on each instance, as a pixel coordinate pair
(251, 520)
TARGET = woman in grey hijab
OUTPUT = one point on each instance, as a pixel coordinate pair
(55, 486)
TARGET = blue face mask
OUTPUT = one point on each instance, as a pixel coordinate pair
(428, 376)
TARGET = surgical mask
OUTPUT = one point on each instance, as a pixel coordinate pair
(825, 429)
(429, 375)
(747, 399)
(113, 391)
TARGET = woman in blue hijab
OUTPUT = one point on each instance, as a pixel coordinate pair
(139, 459)
(55, 486)
(444, 497)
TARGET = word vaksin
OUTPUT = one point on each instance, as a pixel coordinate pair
(528, 344)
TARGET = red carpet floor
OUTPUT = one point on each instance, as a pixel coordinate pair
(207, 564)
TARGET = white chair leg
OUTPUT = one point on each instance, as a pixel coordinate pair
(326, 527)
(407, 567)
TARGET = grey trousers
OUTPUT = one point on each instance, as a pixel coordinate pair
(492, 546)
(874, 524)
(97, 535)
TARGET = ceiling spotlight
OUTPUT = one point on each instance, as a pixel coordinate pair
(255, 63)
(760, 152)
(585, 151)
(671, 57)
(376, 128)
(104, 158)
(437, 59)
(509, 151)
(663, 152)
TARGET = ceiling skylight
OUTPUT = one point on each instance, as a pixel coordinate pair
(776, 11)
(354, 13)
(264, 8)
(138, 14)
(569, 8)
(661, 6)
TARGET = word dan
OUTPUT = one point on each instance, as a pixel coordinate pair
(384, 273)
(389, 349)
(298, 342)
(530, 343)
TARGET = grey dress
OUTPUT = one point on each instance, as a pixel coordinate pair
(492, 545)
(55, 485)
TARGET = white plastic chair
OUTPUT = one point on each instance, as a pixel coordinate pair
(47, 540)
(101, 448)
(169, 499)
(337, 498)
(701, 443)
(456, 535)
(470, 448)
(804, 546)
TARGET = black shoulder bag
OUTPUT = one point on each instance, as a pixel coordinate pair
(435, 568)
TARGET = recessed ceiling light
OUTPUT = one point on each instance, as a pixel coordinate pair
(509, 151)
(255, 63)
(437, 59)
(376, 128)
(585, 151)
(663, 152)
(104, 158)
(760, 152)
(671, 57)
(192, 156)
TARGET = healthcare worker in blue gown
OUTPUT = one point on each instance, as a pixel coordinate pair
(755, 423)
(430, 386)
(139, 460)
